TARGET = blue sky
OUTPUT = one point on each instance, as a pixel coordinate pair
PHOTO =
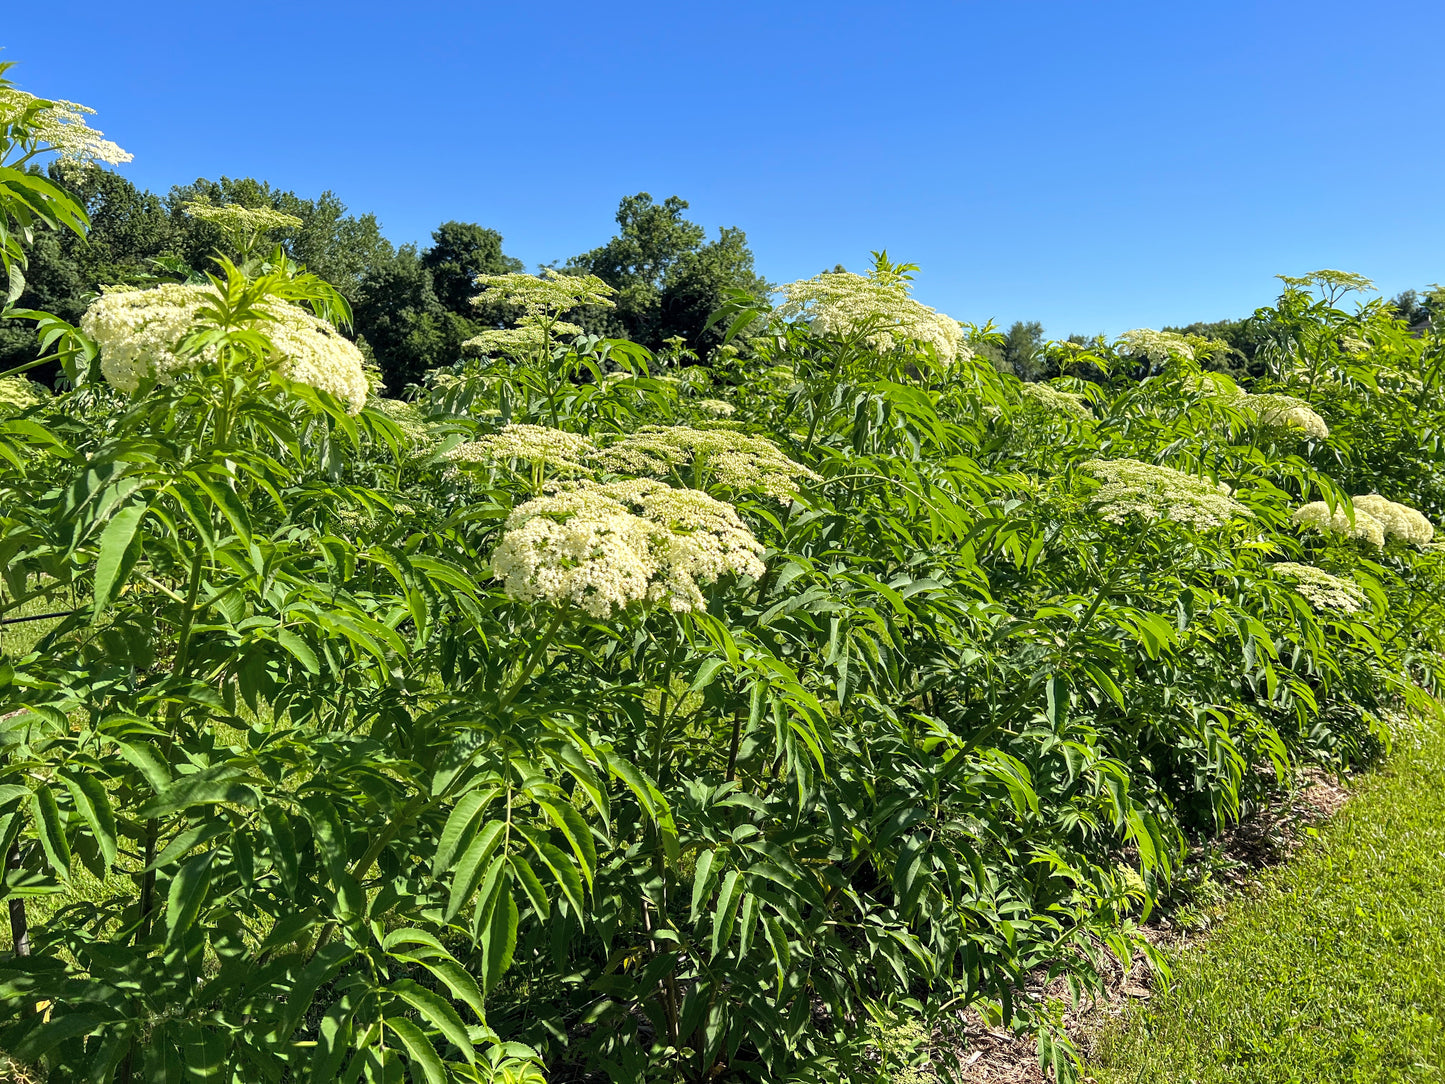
(1093, 165)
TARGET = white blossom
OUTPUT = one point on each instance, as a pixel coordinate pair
(235, 219)
(1157, 346)
(603, 547)
(137, 332)
(530, 334)
(62, 126)
(538, 445)
(1055, 400)
(1286, 412)
(546, 295)
(716, 407)
(1268, 408)
(1321, 590)
(1151, 492)
(841, 303)
(741, 462)
(1320, 517)
(18, 394)
(409, 421)
(1400, 520)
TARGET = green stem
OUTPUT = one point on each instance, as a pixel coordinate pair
(178, 669)
(1108, 585)
(533, 660)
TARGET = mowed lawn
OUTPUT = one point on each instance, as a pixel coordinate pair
(1334, 972)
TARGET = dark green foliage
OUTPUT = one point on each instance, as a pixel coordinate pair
(669, 278)
(460, 252)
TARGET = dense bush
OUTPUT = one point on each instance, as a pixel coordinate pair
(598, 718)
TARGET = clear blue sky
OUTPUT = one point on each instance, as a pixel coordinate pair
(1093, 165)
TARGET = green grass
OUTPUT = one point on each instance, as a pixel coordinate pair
(1334, 971)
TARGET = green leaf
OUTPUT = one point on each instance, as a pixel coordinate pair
(532, 886)
(726, 913)
(50, 826)
(472, 865)
(419, 1050)
(299, 649)
(436, 1011)
(281, 840)
(93, 804)
(562, 867)
(499, 935)
(115, 555)
(701, 888)
(187, 894)
(576, 832)
(458, 828)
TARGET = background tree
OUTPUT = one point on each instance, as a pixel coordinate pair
(460, 252)
(669, 278)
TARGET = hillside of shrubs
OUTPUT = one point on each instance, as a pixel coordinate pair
(594, 714)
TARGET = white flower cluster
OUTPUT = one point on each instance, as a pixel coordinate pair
(19, 394)
(1268, 408)
(1157, 346)
(61, 124)
(539, 445)
(1055, 400)
(841, 303)
(1151, 492)
(1285, 411)
(546, 295)
(603, 547)
(718, 408)
(741, 462)
(530, 334)
(415, 432)
(1321, 590)
(235, 219)
(1320, 517)
(1400, 520)
(137, 332)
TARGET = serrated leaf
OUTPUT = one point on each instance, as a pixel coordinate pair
(112, 558)
(458, 829)
(419, 1050)
(50, 826)
(472, 866)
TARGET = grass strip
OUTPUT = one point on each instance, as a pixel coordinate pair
(1334, 971)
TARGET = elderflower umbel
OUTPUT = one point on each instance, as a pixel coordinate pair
(137, 332)
(546, 295)
(716, 407)
(1285, 411)
(234, 219)
(604, 547)
(1157, 346)
(740, 462)
(539, 445)
(1321, 590)
(18, 394)
(407, 419)
(841, 303)
(1151, 492)
(1320, 517)
(61, 124)
(1400, 520)
(1055, 400)
(1268, 408)
(530, 334)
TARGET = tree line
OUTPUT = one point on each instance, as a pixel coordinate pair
(412, 304)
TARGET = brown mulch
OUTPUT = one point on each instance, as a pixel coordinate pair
(1265, 838)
